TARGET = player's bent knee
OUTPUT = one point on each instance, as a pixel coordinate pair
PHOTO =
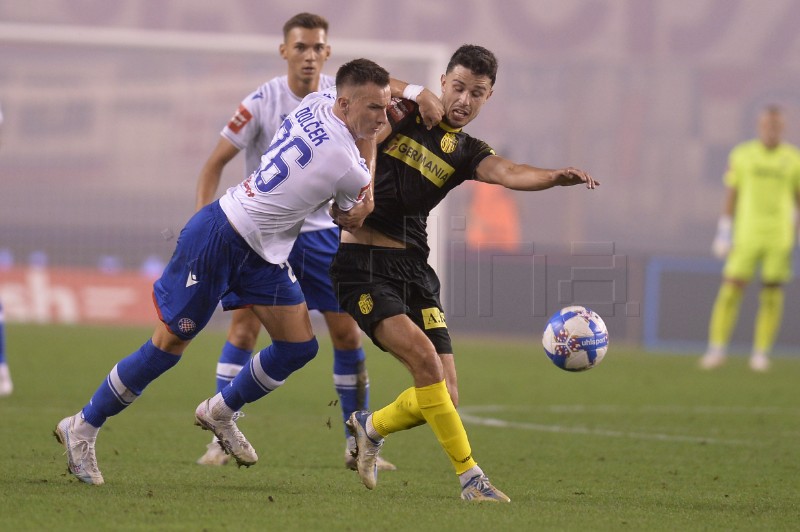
(295, 355)
(243, 339)
(343, 330)
(739, 284)
(426, 367)
(346, 340)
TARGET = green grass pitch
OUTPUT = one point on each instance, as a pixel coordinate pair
(642, 442)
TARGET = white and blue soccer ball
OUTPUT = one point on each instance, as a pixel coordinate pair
(575, 339)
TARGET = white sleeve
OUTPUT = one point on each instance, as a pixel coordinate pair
(352, 186)
(244, 124)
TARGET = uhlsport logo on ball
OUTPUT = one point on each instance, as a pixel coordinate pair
(575, 339)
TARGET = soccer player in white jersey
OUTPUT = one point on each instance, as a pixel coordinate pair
(325, 149)
(251, 129)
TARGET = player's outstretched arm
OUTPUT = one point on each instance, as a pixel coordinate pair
(210, 175)
(499, 171)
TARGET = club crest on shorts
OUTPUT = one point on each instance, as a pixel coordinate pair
(186, 326)
(365, 303)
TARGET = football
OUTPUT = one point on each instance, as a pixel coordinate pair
(575, 339)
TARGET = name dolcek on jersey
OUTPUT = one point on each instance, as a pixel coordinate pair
(316, 133)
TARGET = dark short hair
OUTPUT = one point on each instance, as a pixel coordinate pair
(361, 72)
(477, 59)
(308, 21)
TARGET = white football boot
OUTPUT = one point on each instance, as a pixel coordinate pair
(6, 386)
(350, 461)
(225, 429)
(759, 362)
(81, 459)
(480, 489)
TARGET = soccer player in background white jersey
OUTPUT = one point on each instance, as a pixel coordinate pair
(251, 129)
(757, 227)
(325, 149)
(6, 386)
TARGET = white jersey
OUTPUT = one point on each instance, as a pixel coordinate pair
(255, 122)
(312, 159)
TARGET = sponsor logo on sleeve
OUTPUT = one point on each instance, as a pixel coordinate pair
(239, 119)
(399, 109)
(362, 193)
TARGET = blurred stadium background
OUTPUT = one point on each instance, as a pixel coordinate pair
(111, 108)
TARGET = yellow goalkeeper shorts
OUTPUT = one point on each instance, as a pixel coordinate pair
(775, 261)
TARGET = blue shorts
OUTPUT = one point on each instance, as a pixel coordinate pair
(211, 261)
(311, 258)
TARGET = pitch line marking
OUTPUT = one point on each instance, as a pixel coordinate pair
(499, 423)
(658, 409)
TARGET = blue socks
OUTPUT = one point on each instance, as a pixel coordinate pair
(351, 381)
(268, 370)
(231, 361)
(126, 381)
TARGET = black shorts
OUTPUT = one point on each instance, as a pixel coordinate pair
(375, 283)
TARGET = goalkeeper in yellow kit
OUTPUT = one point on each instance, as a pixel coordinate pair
(757, 227)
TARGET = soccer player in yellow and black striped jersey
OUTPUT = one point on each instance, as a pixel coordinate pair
(757, 227)
(381, 274)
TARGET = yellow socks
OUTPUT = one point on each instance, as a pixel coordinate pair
(438, 410)
(399, 415)
(431, 404)
(724, 314)
(768, 319)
